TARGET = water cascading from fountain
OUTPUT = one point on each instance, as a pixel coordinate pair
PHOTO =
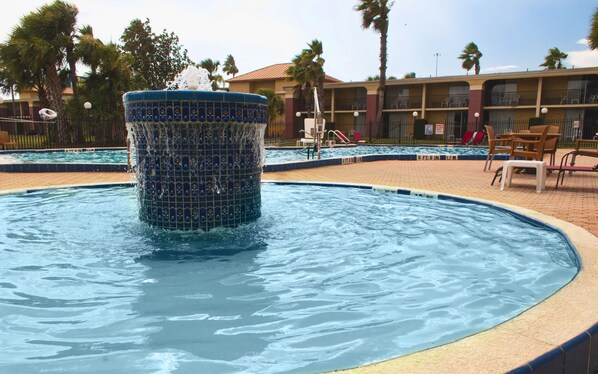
(199, 154)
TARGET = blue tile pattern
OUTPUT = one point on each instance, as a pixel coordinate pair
(198, 157)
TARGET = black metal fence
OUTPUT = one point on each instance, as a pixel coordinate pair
(81, 132)
(102, 131)
(408, 134)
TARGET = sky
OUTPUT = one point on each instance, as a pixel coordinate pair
(513, 35)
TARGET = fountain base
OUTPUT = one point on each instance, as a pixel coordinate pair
(199, 157)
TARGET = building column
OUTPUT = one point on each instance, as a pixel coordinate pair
(539, 97)
(291, 128)
(476, 104)
(370, 115)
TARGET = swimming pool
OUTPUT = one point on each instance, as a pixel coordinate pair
(84, 285)
(273, 155)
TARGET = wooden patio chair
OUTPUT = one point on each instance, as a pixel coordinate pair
(551, 144)
(531, 149)
(496, 146)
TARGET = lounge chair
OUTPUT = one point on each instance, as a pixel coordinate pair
(579, 151)
(477, 137)
(496, 146)
(357, 136)
(467, 137)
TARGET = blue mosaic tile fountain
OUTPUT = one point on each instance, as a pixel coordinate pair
(198, 157)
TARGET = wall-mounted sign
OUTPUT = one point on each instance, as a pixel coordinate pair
(439, 128)
(429, 129)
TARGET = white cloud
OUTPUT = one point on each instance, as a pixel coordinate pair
(583, 41)
(498, 69)
(583, 59)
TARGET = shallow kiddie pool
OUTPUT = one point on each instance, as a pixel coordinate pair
(327, 278)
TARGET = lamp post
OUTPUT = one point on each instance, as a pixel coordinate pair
(544, 111)
(476, 115)
(436, 54)
(87, 107)
(414, 114)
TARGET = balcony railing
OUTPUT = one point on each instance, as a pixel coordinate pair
(447, 101)
(519, 98)
(350, 104)
(402, 102)
(569, 97)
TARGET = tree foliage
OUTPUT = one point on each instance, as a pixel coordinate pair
(155, 59)
(39, 53)
(374, 14)
(275, 104)
(471, 56)
(308, 71)
(409, 75)
(554, 59)
(593, 36)
(212, 66)
(110, 75)
(230, 67)
(377, 77)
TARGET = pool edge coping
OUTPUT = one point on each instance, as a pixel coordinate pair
(532, 338)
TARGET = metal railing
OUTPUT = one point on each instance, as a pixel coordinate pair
(447, 101)
(569, 97)
(350, 104)
(81, 132)
(97, 131)
(510, 99)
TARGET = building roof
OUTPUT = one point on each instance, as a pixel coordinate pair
(272, 72)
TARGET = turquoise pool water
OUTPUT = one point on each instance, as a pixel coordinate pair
(327, 278)
(272, 155)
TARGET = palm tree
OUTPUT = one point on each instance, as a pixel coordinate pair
(87, 48)
(275, 104)
(212, 67)
(554, 59)
(229, 66)
(374, 13)
(377, 77)
(40, 45)
(471, 56)
(308, 71)
(593, 37)
(7, 85)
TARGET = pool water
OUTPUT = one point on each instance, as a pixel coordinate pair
(327, 278)
(272, 155)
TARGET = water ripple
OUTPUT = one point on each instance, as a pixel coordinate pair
(339, 277)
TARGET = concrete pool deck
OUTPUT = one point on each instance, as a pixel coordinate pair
(573, 208)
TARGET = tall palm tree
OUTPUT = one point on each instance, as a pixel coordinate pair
(298, 72)
(554, 59)
(471, 56)
(229, 66)
(593, 36)
(374, 13)
(88, 47)
(40, 43)
(212, 67)
(308, 71)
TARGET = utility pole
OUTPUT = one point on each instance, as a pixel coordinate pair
(437, 54)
